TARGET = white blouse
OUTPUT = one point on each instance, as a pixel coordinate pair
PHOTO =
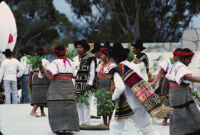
(177, 72)
(166, 65)
(59, 66)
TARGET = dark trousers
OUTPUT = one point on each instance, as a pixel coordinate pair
(25, 89)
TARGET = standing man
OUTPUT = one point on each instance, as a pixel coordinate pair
(141, 58)
(25, 76)
(86, 80)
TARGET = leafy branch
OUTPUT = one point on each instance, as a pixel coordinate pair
(106, 104)
(35, 61)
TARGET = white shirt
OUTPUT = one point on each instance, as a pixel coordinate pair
(177, 72)
(9, 68)
(58, 66)
(143, 71)
(121, 87)
(91, 75)
(25, 66)
(166, 65)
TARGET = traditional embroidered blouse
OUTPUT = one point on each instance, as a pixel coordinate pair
(60, 65)
(177, 73)
(166, 65)
(103, 70)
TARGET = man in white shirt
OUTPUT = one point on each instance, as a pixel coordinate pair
(24, 79)
(8, 73)
(85, 78)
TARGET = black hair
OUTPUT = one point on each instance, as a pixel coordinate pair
(23, 51)
(119, 53)
(178, 49)
(8, 53)
(59, 48)
(39, 49)
(187, 50)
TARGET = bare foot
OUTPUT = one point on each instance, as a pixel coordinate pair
(165, 123)
(34, 114)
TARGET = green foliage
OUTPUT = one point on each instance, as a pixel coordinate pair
(165, 101)
(83, 98)
(35, 61)
(39, 24)
(131, 55)
(126, 20)
(106, 104)
(71, 53)
(196, 94)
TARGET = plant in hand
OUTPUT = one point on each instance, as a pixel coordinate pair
(35, 61)
(106, 104)
(131, 55)
(196, 95)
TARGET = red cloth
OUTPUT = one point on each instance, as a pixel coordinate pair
(10, 40)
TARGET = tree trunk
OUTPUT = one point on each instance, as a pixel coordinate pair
(137, 20)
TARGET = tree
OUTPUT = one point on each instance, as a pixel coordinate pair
(128, 20)
(39, 24)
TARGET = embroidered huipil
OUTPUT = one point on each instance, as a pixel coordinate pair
(166, 65)
(60, 65)
(103, 70)
(177, 72)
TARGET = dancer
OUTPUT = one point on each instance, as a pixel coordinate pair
(165, 66)
(185, 119)
(39, 85)
(9, 74)
(141, 59)
(104, 81)
(128, 104)
(86, 79)
(63, 115)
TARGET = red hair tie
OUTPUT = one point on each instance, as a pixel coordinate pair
(59, 52)
(41, 52)
(187, 54)
(178, 53)
(103, 50)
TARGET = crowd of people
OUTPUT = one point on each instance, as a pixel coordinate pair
(59, 85)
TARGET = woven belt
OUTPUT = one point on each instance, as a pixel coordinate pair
(63, 78)
(172, 84)
(184, 105)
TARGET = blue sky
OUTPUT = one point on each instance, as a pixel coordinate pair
(65, 8)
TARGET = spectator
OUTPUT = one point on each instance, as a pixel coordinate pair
(25, 76)
(8, 73)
